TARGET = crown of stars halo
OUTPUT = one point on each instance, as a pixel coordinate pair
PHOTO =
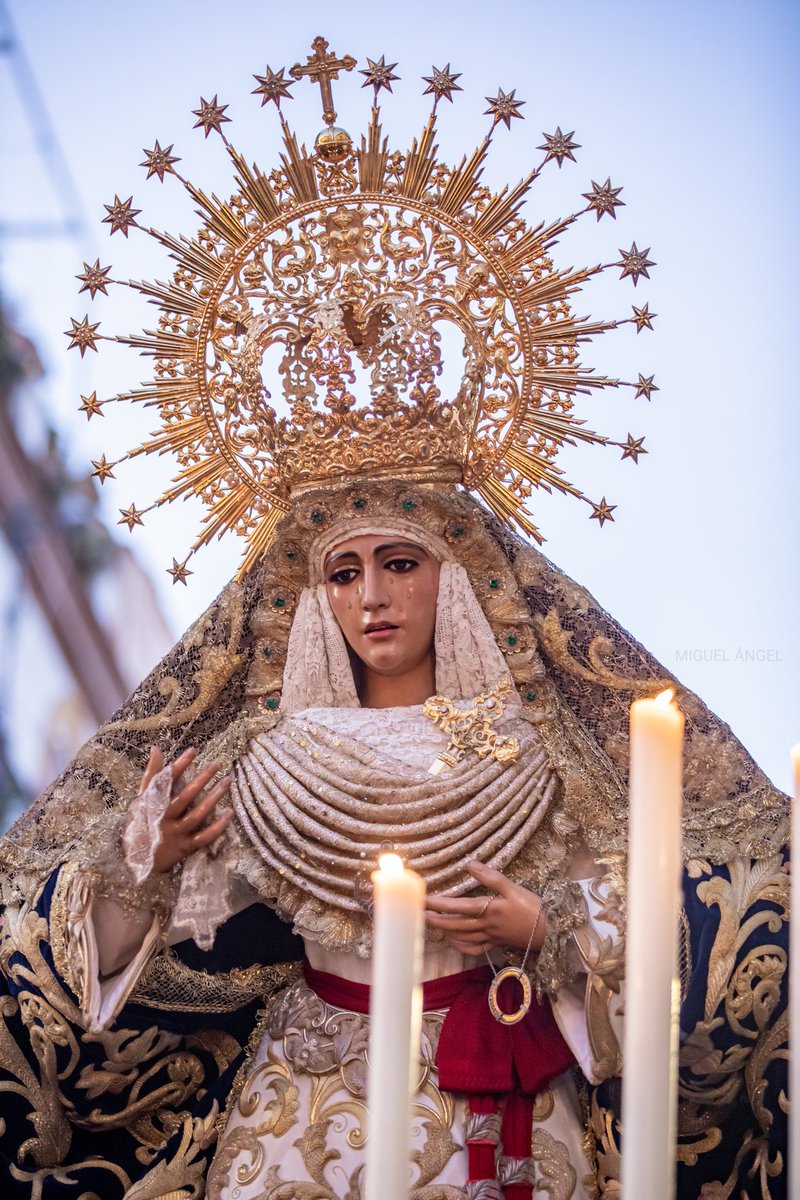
(507, 457)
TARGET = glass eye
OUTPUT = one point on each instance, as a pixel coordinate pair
(343, 575)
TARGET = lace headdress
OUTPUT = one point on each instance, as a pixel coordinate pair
(318, 669)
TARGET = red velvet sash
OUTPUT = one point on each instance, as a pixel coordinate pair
(477, 1055)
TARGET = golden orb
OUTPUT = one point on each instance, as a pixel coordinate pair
(333, 144)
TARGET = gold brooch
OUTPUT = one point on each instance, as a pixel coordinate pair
(472, 728)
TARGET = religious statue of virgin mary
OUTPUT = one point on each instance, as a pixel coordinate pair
(188, 910)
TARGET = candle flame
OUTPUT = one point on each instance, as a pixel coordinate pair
(391, 864)
(664, 699)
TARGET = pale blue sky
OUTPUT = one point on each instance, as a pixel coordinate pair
(691, 107)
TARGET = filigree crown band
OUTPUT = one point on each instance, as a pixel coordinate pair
(311, 329)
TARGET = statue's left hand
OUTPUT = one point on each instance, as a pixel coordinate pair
(472, 925)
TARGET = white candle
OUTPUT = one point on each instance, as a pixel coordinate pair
(395, 1014)
(794, 987)
(649, 1078)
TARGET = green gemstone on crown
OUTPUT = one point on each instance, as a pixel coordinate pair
(512, 639)
(272, 703)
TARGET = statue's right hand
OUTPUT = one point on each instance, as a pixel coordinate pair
(187, 824)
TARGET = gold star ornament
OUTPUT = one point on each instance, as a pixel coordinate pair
(210, 115)
(159, 162)
(94, 279)
(82, 335)
(645, 386)
(130, 517)
(91, 406)
(121, 215)
(179, 571)
(379, 75)
(635, 263)
(633, 447)
(643, 318)
(503, 107)
(559, 146)
(602, 512)
(441, 84)
(603, 199)
(272, 86)
(103, 470)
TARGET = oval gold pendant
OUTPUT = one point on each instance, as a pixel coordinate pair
(527, 996)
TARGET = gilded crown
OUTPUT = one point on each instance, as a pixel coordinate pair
(310, 329)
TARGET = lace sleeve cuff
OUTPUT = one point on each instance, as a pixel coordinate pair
(589, 1009)
(565, 908)
(136, 910)
(123, 880)
(76, 951)
(207, 895)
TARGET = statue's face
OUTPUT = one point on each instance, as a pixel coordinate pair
(383, 589)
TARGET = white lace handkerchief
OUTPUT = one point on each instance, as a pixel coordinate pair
(142, 835)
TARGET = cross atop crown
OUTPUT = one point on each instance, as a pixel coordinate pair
(321, 67)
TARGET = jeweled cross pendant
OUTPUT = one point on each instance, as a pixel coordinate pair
(471, 729)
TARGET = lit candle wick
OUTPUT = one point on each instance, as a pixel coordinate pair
(391, 864)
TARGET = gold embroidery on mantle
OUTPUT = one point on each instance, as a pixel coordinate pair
(609, 1155)
(181, 1177)
(218, 664)
(555, 640)
(742, 994)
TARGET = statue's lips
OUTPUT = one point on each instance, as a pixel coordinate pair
(380, 632)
